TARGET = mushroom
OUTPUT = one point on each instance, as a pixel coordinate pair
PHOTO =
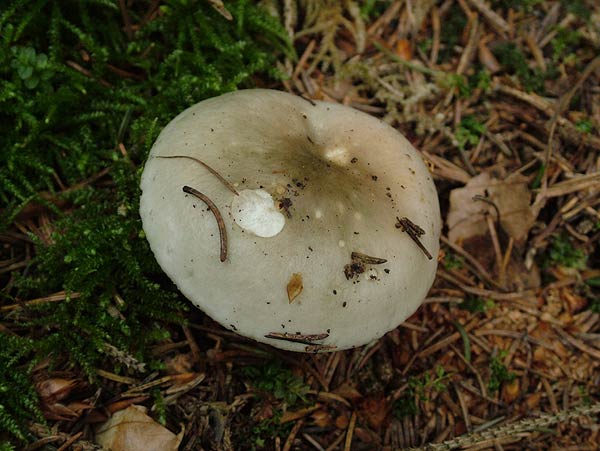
(322, 225)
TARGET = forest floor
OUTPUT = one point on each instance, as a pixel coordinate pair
(503, 101)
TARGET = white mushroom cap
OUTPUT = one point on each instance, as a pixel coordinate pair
(316, 182)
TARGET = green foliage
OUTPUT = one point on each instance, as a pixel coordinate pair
(564, 45)
(370, 9)
(453, 26)
(418, 390)
(74, 84)
(18, 400)
(452, 261)
(31, 68)
(99, 252)
(476, 304)
(266, 430)
(515, 62)
(585, 126)
(578, 8)
(563, 253)
(63, 101)
(469, 132)
(499, 373)
(406, 406)
(278, 381)
(481, 80)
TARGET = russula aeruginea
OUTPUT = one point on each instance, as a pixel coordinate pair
(330, 230)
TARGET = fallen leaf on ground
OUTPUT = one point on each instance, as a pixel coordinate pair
(512, 197)
(132, 430)
(55, 389)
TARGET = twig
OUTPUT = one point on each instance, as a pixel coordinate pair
(211, 170)
(594, 352)
(414, 232)
(215, 211)
(367, 259)
(56, 297)
(290, 440)
(350, 432)
(70, 441)
(494, 19)
(297, 338)
(506, 431)
(126, 19)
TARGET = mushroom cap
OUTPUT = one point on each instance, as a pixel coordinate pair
(339, 177)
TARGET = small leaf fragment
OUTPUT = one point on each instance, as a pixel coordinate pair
(294, 286)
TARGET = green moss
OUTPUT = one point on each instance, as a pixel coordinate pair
(278, 381)
(562, 252)
(514, 61)
(499, 373)
(18, 400)
(74, 85)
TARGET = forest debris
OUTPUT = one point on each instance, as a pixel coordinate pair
(132, 430)
(294, 287)
(509, 198)
(415, 232)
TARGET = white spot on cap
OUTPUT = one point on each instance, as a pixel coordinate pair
(318, 214)
(341, 243)
(338, 155)
(254, 211)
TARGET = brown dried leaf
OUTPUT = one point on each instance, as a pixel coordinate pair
(294, 286)
(403, 49)
(321, 418)
(347, 391)
(55, 389)
(466, 217)
(132, 430)
(510, 391)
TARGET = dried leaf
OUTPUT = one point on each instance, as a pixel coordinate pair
(466, 217)
(321, 418)
(55, 389)
(132, 430)
(403, 49)
(294, 287)
(348, 391)
(510, 391)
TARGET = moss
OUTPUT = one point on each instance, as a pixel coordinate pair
(81, 93)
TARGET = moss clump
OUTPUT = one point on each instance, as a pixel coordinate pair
(84, 91)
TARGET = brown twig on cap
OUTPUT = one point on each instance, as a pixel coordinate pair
(211, 170)
(297, 338)
(367, 259)
(218, 217)
(414, 231)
